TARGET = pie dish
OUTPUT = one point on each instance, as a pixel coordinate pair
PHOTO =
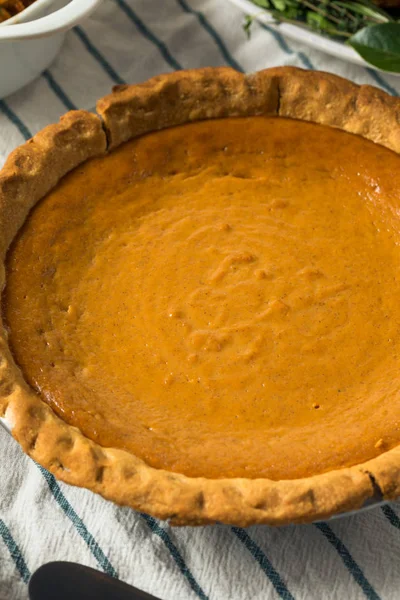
(199, 306)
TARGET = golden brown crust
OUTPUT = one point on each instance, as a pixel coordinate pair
(36, 167)
(184, 96)
(331, 100)
(31, 171)
(130, 111)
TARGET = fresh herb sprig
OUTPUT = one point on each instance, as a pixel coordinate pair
(371, 31)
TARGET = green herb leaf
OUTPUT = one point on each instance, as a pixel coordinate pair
(292, 13)
(279, 5)
(317, 21)
(262, 3)
(365, 10)
(379, 45)
(248, 22)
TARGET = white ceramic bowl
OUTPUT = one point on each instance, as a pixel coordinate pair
(30, 41)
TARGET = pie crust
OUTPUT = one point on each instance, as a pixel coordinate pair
(33, 169)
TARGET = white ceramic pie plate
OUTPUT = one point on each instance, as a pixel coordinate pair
(304, 36)
(5, 424)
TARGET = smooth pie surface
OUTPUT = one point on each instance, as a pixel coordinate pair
(220, 299)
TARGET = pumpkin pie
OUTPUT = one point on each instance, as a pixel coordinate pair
(200, 310)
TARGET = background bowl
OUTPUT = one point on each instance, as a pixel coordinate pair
(31, 40)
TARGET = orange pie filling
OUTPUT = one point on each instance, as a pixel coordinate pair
(221, 299)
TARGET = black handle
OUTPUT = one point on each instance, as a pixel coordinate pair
(71, 581)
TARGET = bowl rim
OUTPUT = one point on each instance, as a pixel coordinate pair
(30, 11)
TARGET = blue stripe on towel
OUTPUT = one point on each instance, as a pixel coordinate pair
(15, 120)
(59, 92)
(349, 562)
(285, 46)
(91, 48)
(391, 516)
(176, 555)
(381, 81)
(264, 562)
(77, 522)
(145, 31)
(213, 33)
(15, 552)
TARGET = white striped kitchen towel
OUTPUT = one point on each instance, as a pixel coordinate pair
(40, 519)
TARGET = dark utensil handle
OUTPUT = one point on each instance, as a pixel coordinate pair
(71, 581)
